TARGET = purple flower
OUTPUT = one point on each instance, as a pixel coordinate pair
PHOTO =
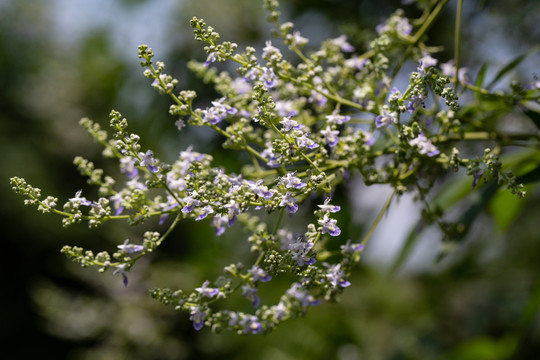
(369, 139)
(305, 142)
(269, 78)
(250, 293)
(234, 210)
(289, 124)
(251, 324)
(337, 119)
(286, 108)
(197, 315)
(218, 112)
(121, 269)
(299, 250)
(79, 200)
(241, 86)
(330, 136)
(212, 57)
(273, 158)
(386, 119)
(291, 181)
(259, 274)
(336, 276)
(413, 104)
(219, 222)
(343, 44)
(280, 311)
(190, 202)
(117, 200)
(356, 63)
(127, 166)
(424, 63)
(329, 226)
(329, 208)
(424, 145)
(351, 248)
(296, 39)
(130, 248)
(260, 190)
(449, 69)
(205, 211)
(302, 295)
(190, 156)
(290, 202)
(477, 176)
(207, 291)
(252, 74)
(147, 159)
(136, 184)
(270, 52)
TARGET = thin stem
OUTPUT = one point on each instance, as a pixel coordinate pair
(457, 38)
(379, 218)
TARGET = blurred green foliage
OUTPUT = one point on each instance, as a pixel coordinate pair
(480, 303)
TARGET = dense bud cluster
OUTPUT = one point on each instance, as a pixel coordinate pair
(307, 126)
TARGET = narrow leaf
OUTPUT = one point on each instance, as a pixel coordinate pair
(511, 65)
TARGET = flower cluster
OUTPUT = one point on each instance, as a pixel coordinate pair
(307, 126)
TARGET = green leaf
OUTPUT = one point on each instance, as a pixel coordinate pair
(511, 65)
(480, 78)
(533, 115)
(505, 208)
(408, 247)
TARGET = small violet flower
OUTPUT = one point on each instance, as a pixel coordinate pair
(356, 63)
(218, 112)
(337, 119)
(127, 166)
(343, 44)
(190, 202)
(147, 159)
(219, 222)
(424, 63)
(291, 181)
(271, 52)
(290, 202)
(121, 269)
(260, 190)
(302, 295)
(207, 291)
(424, 145)
(80, 200)
(251, 324)
(289, 124)
(330, 136)
(130, 248)
(286, 108)
(259, 274)
(386, 119)
(336, 276)
(205, 211)
(197, 316)
(305, 142)
(299, 250)
(350, 248)
(326, 207)
(250, 293)
(296, 39)
(449, 69)
(212, 57)
(329, 226)
(269, 78)
(414, 102)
